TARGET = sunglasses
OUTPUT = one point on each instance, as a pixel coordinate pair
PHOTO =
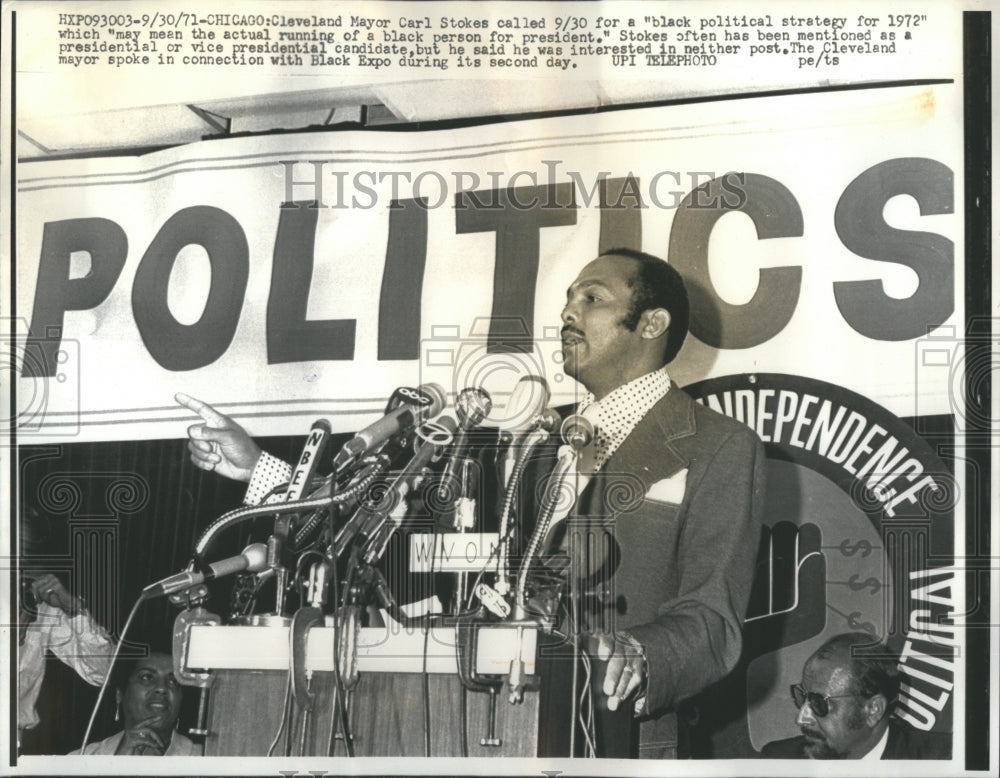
(818, 704)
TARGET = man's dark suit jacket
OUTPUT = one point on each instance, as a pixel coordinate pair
(679, 505)
(905, 742)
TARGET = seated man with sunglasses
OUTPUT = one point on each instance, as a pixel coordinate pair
(845, 702)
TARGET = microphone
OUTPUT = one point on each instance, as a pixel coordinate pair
(548, 420)
(416, 405)
(471, 406)
(577, 432)
(370, 518)
(527, 401)
(253, 559)
(311, 452)
(529, 398)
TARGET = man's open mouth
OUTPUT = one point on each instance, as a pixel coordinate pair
(570, 338)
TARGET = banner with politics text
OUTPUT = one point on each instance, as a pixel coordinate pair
(289, 277)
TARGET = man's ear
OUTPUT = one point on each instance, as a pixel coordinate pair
(655, 322)
(876, 708)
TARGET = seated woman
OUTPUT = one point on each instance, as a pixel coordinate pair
(148, 700)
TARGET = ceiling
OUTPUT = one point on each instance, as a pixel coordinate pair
(45, 131)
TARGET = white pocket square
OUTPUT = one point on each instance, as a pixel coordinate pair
(669, 490)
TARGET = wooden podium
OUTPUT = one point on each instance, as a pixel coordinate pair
(398, 670)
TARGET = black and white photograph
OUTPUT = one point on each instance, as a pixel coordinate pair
(520, 388)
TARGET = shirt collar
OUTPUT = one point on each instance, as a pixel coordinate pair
(876, 753)
(618, 413)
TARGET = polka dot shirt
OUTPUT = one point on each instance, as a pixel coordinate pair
(615, 416)
(268, 473)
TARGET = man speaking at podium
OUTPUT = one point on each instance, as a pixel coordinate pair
(682, 557)
(684, 554)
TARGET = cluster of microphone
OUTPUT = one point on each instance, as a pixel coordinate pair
(416, 424)
(331, 530)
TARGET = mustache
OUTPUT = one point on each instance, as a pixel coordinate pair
(811, 733)
(567, 330)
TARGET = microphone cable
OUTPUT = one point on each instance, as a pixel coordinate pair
(284, 715)
(425, 676)
(574, 606)
(586, 699)
(426, 689)
(463, 707)
(340, 711)
(107, 678)
(470, 610)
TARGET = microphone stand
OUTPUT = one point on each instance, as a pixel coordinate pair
(466, 518)
(566, 461)
(303, 621)
(577, 432)
(312, 450)
(193, 614)
(538, 434)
